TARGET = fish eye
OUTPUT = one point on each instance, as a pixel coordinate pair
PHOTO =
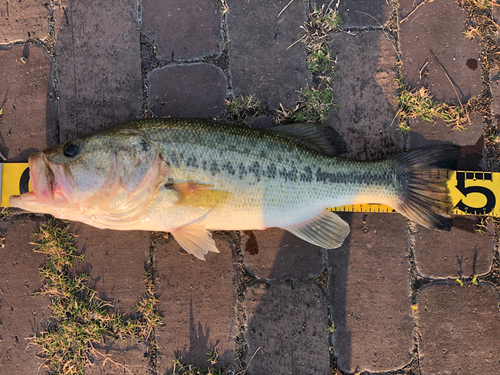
(70, 150)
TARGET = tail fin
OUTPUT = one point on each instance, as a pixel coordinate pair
(424, 192)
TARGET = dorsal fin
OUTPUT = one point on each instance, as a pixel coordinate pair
(320, 137)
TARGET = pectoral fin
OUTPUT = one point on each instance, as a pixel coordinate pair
(326, 230)
(194, 194)
(195, 240)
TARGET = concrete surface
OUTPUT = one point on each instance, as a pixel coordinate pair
(386, 302)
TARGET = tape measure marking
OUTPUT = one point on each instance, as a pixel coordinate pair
(471, 192)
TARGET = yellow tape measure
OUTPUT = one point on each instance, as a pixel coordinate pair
(15, 180)
(472, 192)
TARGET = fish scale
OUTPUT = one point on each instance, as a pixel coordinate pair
(188, 176)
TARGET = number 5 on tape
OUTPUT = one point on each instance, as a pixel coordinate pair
(475, 193)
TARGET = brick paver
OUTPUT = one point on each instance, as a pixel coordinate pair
(363, 13)
(183, 29)
(115, 261)
(21, 314)
(260, 62)
(27, 99)
(369, 295)
(287, 329)
(20, 21)
(438, 26)
(495, 93)
(427, 133)
(278, 254)
(197, 304)
(188, 90)
(366, 95)
(98, 66)
(458, 329)
(129, 357)
(462, 252)
(93, 63)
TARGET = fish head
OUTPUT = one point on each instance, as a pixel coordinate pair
(101, 173)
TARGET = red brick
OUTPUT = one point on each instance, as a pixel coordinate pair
(495, 93)
(128, 358)
(366, 117)
(462, 252)
(21, 314)
(21, 20)
(183, 29)
(190, 90)
(197, 302)
(438, 26)
(458, 329)
(115, 262)
(281, 255)
(370, 295)
(27, 123)
(260, 63)
(427, 133)
(287, 329)
(98, 65)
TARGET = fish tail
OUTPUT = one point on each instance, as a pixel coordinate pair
(424, 195)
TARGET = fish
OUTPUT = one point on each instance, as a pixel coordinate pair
(193, 176)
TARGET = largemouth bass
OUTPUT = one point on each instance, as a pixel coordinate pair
(189, 176)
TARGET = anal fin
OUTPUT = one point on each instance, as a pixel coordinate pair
(195, 240)
(326, 230)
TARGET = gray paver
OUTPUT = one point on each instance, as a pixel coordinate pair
(458, 329)
(355, 13)
(260, 63)
(21, 315)
(281, 255)
(461, 252)
(366, 94)
(438, 26)
(197, 300)
(188, 90)
(98, 65)
(27, 123)
(426, 133)
(287, 329)
(20, 20)
(369, 295)
(183, 29)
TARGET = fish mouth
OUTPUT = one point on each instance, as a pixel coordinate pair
(50, 186)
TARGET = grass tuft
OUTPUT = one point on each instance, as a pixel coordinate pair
(215, 368)
(316, 101)
(80, 318)
(480, 4)
(419, 104)
(238, 110)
